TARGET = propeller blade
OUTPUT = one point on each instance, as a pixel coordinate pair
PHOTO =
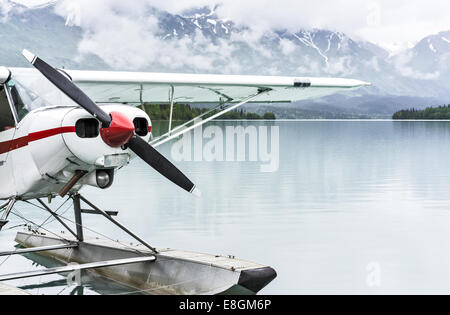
(139, 146)
(156, 160)
(68, 88)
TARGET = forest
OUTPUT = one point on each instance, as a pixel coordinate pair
(183, 112)
(430, 113)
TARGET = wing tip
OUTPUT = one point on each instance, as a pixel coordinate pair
(338, 83)
(358, 83)
(29, 56)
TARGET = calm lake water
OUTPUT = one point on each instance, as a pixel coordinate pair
(354, 207)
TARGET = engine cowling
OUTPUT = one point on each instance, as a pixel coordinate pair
(102, 147)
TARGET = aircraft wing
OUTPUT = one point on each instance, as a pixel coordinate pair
(224, 92)
(139, 87)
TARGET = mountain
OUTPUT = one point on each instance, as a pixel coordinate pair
(41, 30)
(416, 77)
(432, 54)
(203, 19)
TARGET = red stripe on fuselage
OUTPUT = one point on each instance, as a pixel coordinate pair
(35, 136)
(18, 143)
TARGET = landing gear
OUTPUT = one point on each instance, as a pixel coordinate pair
(107, 215)
(78, 219)
(62, 246)
(148, 271)
(77, 199)
(78, 211)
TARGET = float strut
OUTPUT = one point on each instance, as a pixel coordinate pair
(4, 219)
(106, 215)
(56, 216)
(78, 221)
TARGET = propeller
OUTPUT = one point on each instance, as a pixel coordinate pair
(68, 88)
(161, 164)
(117, 130)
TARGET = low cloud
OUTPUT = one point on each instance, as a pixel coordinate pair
(402, 63)
(128, 37)
(5, 8)
(385, 22)
(287, 46)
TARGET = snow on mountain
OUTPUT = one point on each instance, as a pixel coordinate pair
(203, 20)
(432, 54)
(421, 73)
(325, 53)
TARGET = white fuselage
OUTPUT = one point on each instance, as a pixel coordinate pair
(42, 153)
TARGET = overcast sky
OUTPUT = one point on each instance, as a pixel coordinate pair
(385, 22)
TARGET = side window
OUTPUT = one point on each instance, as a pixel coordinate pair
(6, 116)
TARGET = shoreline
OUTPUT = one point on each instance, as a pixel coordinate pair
(325, 120)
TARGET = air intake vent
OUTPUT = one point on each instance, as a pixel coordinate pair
(87, 128)
(141, 126)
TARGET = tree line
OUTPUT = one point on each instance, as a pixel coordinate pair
(430, 113)
(184, 112)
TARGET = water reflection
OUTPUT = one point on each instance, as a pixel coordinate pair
(347, 196)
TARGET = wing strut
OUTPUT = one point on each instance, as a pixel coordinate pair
(171, 96)
(167, 137)
(181, 127)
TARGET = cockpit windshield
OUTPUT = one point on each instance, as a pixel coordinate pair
(31, 90)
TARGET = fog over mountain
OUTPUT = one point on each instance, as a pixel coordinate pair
(199, 41)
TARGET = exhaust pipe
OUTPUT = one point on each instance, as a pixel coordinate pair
(78, 175)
